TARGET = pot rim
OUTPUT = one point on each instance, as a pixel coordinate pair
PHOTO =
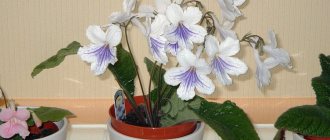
(199, 127)
(180, 130)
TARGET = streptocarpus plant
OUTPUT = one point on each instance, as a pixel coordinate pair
(310, 120)
(187, 31)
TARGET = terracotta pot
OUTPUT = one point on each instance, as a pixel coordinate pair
(299, 137)
(139, 132)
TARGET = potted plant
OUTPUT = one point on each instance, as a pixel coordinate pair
(310, 122)
(186, 31)
(29, 123)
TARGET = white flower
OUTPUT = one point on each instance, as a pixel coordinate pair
(120, 17)
(102, 50)
(154, 31)
(190, 74)
(229, 8)
(279, 54)
(222, 63)
(263, 74)
(224, 29)
(184, 28)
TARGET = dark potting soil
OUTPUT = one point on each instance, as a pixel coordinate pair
(46, 129)
(132, 119)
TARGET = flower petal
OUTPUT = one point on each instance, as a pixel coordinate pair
(219, 69)
(12, 127)
(119, 17)
(272, 37)
(238, 2)
(202, 66)
(263, 74)
(233, 66)
(229, 47)
(99, 56)
(181, 34)
(113, 35)
(95, 34)
(162, 5)
(146, 11)
(157, 48)
(129, 5)
(87, 53)
(174, 13)
(211, 45)
(224, 30)
(228, 10)
(6, 114)
(280, 55)
(105, 55)
(159, 24)
(141, 26)
(186, 58)
(173, 48)
(205, 85)
(22, 114)
(224, 78)
(192, 15)
(172, 76)
(198, 34)
(270, 63)
(186, 93)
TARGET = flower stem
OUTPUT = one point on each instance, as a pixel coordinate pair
(4, 97)
(139, 78)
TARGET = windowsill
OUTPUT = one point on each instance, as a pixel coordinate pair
(95, 111)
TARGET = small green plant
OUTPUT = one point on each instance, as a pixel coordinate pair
(310, 120)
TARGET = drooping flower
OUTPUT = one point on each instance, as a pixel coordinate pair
(153, 32)
(222, 62)
(102, 50)
(263, 74)
(190, 74)
(229, 8)
(279, 54)
(15, 123)
(184, 28)
(123, 16)
(224, 29)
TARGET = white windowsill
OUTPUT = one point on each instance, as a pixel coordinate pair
(98, 132)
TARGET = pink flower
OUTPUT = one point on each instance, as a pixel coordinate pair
(15, 123)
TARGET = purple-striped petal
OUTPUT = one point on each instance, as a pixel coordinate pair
(157, 48)
(222, 66)
(173, 48)
(182, 35)
(100, 56)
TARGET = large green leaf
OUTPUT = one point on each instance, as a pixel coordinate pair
(309, 120)
(46, 114)
(124, 71)
(178, 111)
(57, 59)
(227, 120)
(321, 84)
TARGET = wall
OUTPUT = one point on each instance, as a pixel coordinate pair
(33, 30)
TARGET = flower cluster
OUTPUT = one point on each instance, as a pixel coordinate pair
(181, 29)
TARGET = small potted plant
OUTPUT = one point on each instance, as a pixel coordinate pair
(310, 122)
(30, 123)
(185, 31)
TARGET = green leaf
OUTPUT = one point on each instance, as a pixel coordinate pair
(53, 114)
(309, 120)
(178, 111)
(154, 69)
(123, 70)
(229, 121)
(321, 84)
(57, 59)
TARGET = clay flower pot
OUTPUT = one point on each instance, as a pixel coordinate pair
(300, 137)
(120, 130)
